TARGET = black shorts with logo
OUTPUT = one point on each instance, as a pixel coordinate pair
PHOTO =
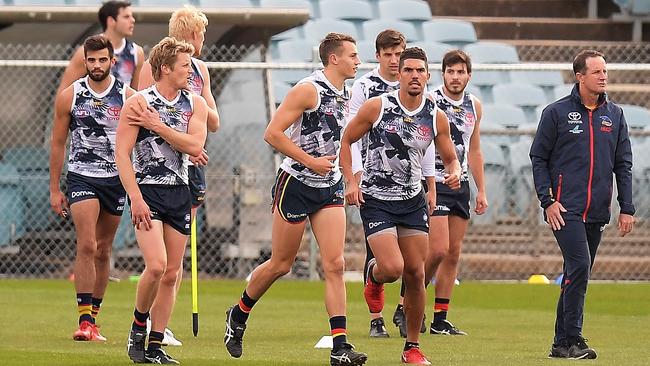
(108, 191)
(377, 215)
(196, 178)
(450, 202)
(295, 200)
(169, 204)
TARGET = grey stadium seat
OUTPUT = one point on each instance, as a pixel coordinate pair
(492, 53)
(223, 3)
(289, 4)
(561, 91)
(296, 50)
(316, 30)
(526, 96)
(504, 115)
(495, 166)
(411, 10)
(435, 50)
(351, 10)
(372, 28)
(636, 116)
(547, 80)
(451, 31)
(366, 49)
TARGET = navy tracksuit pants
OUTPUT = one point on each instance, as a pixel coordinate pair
(578, 242)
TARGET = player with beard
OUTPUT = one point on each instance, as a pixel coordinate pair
(402, 125)
(451, 215)
(89, 110)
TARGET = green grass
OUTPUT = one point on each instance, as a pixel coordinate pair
(509, 324)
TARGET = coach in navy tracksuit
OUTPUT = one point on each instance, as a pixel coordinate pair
(581, 140)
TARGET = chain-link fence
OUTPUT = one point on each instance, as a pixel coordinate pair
(509, 242)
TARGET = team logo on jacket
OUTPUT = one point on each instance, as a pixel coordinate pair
(574, 117)
(576, 130)
(606, 124)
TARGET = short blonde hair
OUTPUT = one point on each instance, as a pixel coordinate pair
(165, 53)
(186, 20)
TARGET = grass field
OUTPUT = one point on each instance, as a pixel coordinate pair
(509, 324)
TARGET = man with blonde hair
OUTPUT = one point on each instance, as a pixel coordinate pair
(160, 125)
(189, 24)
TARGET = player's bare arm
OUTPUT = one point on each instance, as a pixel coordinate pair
(431, 194)
(206, 93)
(145, 79)
(135, 81)
(356, 128)
(59, 136)
(124, 143)
(475, 162)
(447, 152)
(300, 98)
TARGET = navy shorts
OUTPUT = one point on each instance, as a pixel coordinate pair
(450, 202)
(295, 200)
(378, 215)
(108, 191)
(169, 204)
(196, 178)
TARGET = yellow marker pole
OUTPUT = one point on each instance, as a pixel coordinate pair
(195, 285)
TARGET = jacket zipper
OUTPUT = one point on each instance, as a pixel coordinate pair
(559, 188)
(591, 165)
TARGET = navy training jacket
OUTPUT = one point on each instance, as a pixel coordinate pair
(575, 154)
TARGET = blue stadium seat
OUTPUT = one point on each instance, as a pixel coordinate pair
(561, 91)
(372, 28)
(316, 30)
(40, 2)
(474, 90)
(486, 80)
(547, 80)
(525, 96)
(410, 10)
(492, 53)
(504, 115)
(523, 199)
(435, 50)
(289, 4)
(435, 80)
(296, 50)
(455, 32)
(289, 76)
(352, 10)
(280, 91)
(636, 116)
(12, 223)
(495, 167)
(222, 3)
(366, 49)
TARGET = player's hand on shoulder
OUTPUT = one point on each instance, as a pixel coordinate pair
(139, 113)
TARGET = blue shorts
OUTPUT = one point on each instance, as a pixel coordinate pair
(295, 200)
(378, 215)
(108, 191)
(450, 202)
(169, 204)
(196, 178)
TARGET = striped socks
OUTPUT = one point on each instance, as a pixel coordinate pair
(440, 308)
(84, 307)
(339, 332)
(96, 305)
(139, 321)
(240, 313)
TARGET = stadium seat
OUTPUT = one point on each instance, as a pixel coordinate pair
(296, 50)
(11, 204)
(315, 30)
(475, 91)
(222, 3)
(636, 116)
(495, 178)
(289, 4)
(164, 3)
(293, 33)
(289, 76)
(547, 80)
(435, 80)
(366, 49)
(486, 80)
(39, 3)
(492, 53)
(410, 10)
(454, 32)
(640, 7)
(355, 11)
(435, 50)
(372, 28)
(561, 91)
(523, 199)
(525, 96)
(280, 91)
(504, 115)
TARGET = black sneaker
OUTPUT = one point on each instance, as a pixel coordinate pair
(135, 346)
(378, 328)
(159, 356)
(446, 328)
(558, 351)
(399, 319)
(579, 350)
(234, 334)
(346, 355)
